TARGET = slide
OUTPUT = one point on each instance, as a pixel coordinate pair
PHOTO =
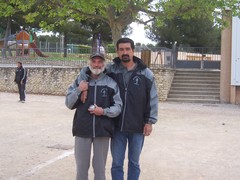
(35, 48)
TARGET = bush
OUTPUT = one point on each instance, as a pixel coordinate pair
(110, 48)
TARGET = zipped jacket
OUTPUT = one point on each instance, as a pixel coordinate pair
(139, 96)
(103, 92)
(20, 75)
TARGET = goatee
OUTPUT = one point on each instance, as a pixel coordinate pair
(125, 58)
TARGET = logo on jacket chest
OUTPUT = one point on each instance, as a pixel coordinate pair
(104, 92)
(136, 80)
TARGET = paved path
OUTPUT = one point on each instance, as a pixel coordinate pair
(190, 141)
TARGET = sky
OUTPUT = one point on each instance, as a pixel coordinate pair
(138, 35)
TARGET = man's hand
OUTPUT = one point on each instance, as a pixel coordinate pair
(98, 111)
(147, 129)
(83, 86)
(83, 96)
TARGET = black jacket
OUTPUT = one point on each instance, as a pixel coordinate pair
(103, 92)
(139, 96)
(20, 75)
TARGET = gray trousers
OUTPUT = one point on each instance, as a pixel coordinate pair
(83, 156)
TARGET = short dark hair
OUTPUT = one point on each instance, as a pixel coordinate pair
(125, 40)
(19, 63)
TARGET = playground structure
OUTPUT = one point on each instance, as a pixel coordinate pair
(11, 42)
(23, 41)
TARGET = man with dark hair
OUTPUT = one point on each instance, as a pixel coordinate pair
(20, 80)
(140, 109)
(93, 122)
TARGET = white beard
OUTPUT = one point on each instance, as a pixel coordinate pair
(96, 71)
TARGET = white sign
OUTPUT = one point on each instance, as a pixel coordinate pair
(235, 69)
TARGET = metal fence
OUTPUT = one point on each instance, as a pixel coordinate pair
(198, 54)
(159, 56)
(200, 58)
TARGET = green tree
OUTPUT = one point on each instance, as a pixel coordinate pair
(10, 9)
(195, 32)
(79, 31)
(118, 14)
(83, 32)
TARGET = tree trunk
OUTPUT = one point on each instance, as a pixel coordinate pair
(7, 33)
(65, 45)
(116, 31)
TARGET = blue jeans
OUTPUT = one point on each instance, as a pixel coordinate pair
(118, 147)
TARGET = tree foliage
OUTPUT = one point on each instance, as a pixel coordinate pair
(195, 32)
(117, 14)
(10, 9)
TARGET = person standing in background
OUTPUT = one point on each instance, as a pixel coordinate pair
(20, 80)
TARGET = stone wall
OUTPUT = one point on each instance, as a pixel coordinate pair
(163, 78)
(55, 81)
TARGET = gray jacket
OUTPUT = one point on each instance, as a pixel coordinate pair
(103, 92)
(139, 96)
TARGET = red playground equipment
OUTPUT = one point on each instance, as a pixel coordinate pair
(24, 41)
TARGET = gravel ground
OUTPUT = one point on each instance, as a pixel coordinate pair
(189, 142)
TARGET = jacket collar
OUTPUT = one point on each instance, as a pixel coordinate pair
(138, 61)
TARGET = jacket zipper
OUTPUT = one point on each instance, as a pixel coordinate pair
(124, 109)
(125, 98)
(94, 117)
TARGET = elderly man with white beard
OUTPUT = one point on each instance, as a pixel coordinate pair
(93, 122)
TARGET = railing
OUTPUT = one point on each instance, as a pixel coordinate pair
(198, 54)
(200, 58)
(159, 56)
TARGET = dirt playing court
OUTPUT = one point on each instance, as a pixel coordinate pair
(189, 142)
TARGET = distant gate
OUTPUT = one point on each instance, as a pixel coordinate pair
(184, 57)
(200, 58)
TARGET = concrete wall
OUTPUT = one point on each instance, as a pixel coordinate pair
(55, 81)
(235, 95)
(226, 49)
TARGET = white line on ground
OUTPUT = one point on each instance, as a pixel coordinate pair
(44, 164)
